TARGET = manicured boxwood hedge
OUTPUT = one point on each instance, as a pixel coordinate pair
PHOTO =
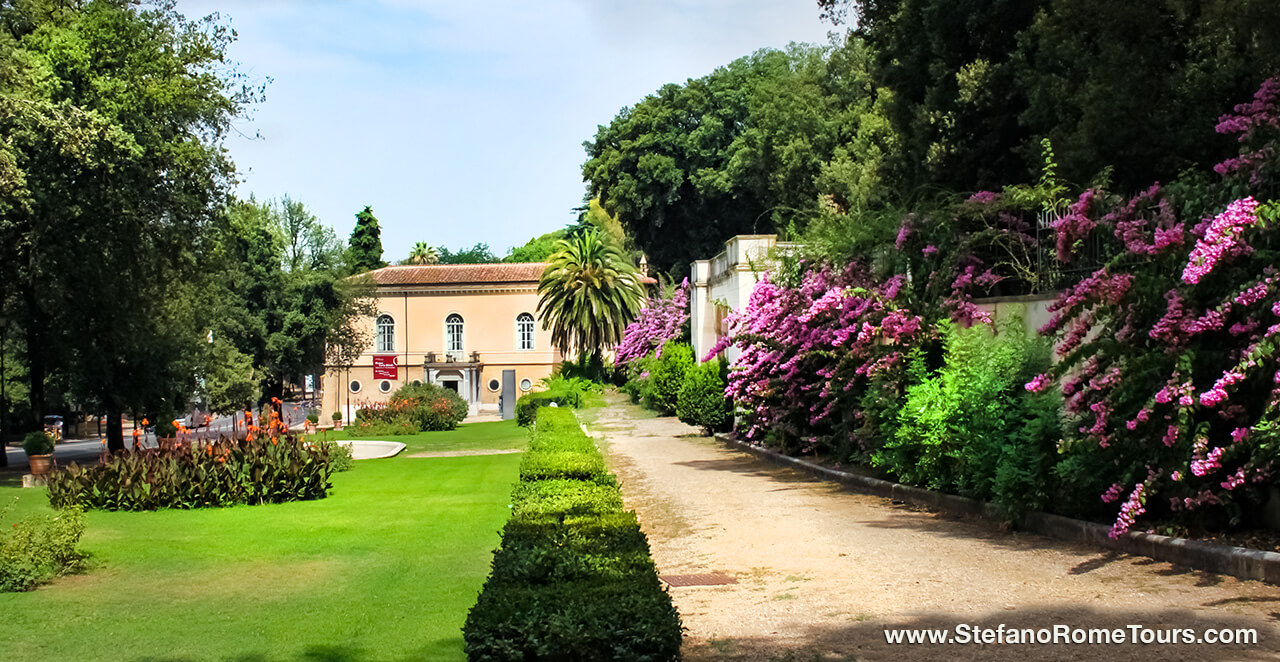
(573, 579)
(527, 405)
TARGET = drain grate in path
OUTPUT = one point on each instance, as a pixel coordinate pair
(713, 579)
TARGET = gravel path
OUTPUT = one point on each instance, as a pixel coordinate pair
(823, 572)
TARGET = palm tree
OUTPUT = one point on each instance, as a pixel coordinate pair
(588, 294)
(423, 254)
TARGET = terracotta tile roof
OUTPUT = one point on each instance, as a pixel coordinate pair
(444, 274)
(441, 274)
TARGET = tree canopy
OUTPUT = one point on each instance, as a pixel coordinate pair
(111, 167)
(1121, 89)
(923, 98)
(537, 249)
(365, 246)
(736, 152)
(276, 306)
(477, 254)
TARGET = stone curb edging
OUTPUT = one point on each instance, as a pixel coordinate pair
(1212, 557)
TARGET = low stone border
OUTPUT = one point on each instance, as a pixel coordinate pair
(364, 449)
(1212, 557)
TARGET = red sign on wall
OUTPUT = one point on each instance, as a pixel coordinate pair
(385, 367)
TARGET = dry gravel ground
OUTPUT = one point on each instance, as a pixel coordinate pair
(823, 572)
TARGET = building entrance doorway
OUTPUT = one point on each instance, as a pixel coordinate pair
(452, 385)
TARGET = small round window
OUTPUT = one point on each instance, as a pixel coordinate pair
(494, 385)
(525, 384)
(385, 386)
(354, 386)
(417, 382)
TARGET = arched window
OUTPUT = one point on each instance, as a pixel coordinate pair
(524, 330)
(386, 334)
(453, 333)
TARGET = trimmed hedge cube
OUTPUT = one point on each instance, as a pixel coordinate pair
(573, 579)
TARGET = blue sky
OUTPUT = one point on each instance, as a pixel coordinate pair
(463, 122)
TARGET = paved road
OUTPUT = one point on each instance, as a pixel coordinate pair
(822, 572)
(85, 451)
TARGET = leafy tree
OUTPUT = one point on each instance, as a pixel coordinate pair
(537, 249)
(588, 294)
(279, 317)
(971, 87)
(730, 153)
(309, 244)
(478, 254)
(423, 253)
(1131, 86)
(111, 167)
(365, 252)
(594, 215)
(229, 382)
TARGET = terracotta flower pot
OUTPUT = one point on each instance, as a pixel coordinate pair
(40, 464)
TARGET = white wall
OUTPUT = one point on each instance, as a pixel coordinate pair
(728, 278)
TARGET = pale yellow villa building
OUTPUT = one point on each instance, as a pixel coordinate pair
(459, 326)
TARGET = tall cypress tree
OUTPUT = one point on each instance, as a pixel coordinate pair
(365, 252)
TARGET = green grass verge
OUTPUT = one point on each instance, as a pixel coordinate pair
(495, 435)
(385, 568)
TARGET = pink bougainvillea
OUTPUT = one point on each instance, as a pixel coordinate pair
(662, 320)
(807, 347)
(1221, 240)
(1255, 125)
(1157, 355)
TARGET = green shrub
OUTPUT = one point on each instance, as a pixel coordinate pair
(425, 407)
(563, 390)
(563, 498)
(559, 450)
(701, 400)
(222, 473)
(165, 428)
(973, 429)
(373, 426)
(638, 382)
(527, 406)
(565, 465)
(340, 458)
(38, 443)
(431, 406)
(667, 376)
(37, 549)
(573, 579)
(587, 368)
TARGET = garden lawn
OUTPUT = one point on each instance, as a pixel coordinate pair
(384, 569)
(495, 435)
